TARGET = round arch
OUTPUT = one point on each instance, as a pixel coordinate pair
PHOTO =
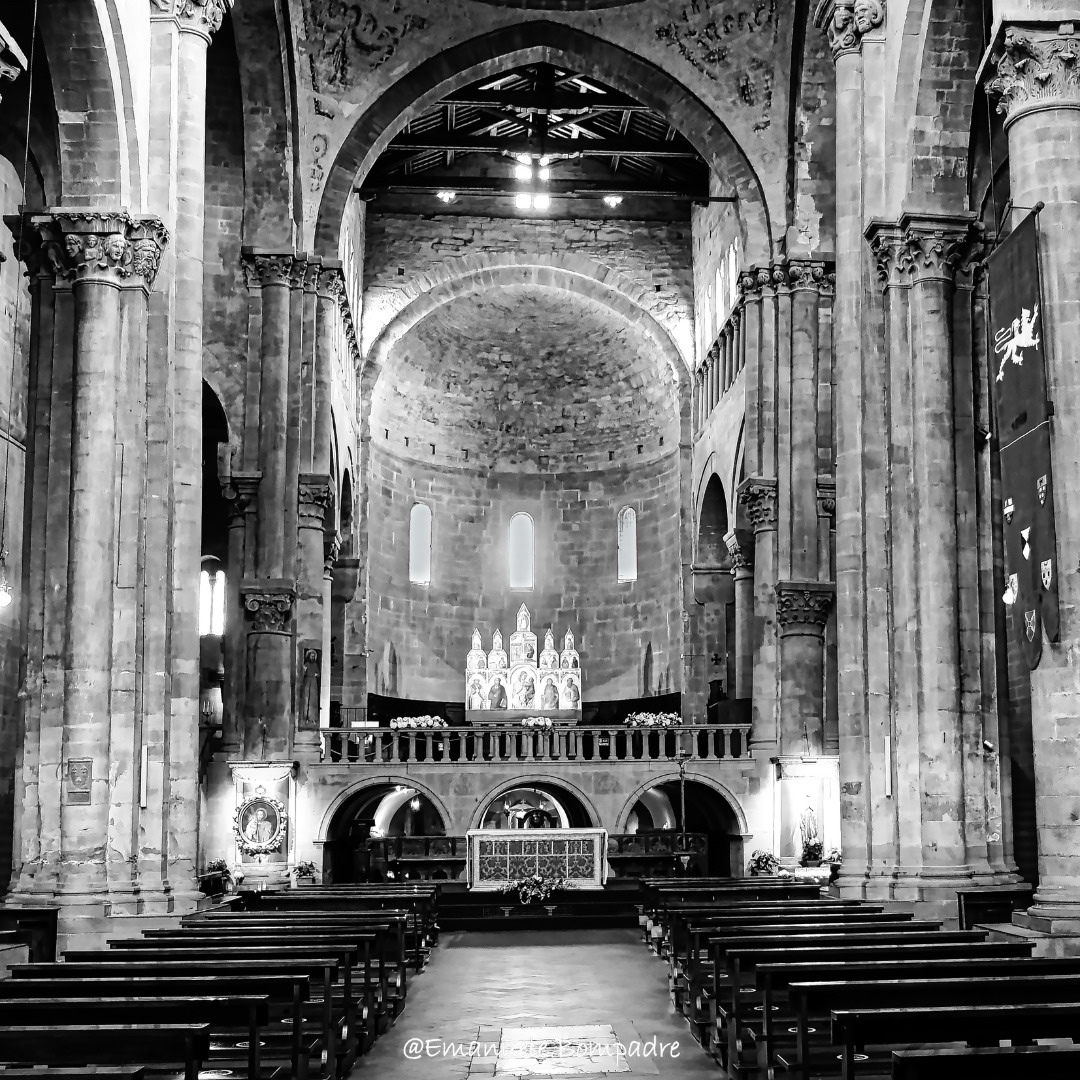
(391, 779)
(531, 42)
(668, 777)
(552, 277)
(532, 780)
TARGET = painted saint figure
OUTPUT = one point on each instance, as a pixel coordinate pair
(259, 828)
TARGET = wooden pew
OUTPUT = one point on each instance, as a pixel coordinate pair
(986, 1063)
(248, 1015)
(107, 1044)
(284, 993)
(322, 971)
(857, 1030)
(739, 961)
(811, 999)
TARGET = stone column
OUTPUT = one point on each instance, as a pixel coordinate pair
(802, 610)
(758, 497)
(740, 545)
(1038, 83)
(239, 494)
(269, 594)
(312, 609)
(857, 604)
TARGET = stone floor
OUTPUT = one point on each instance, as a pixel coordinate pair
(579, 1003)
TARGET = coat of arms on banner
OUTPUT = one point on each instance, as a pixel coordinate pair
(1029, 624)
(1009, 509)
(1025, 535)
(1012, 588)
(1047, 569)
(1011, 340)
(1040, 486)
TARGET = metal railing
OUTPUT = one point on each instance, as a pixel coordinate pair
(511, 743)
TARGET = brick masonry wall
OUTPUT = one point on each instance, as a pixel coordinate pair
(404, 251)
(419, 635)
(225, 311)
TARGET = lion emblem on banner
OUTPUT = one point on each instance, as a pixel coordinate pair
(1011, 342)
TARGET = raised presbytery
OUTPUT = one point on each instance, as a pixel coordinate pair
(597, 469)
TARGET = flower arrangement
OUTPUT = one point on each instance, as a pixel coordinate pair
(654, 720)
(537, 723)
(422, 722)
(219, 866)
(811, 853)
(833, 855)
(762, 863)
(534, 889)
(304, 869)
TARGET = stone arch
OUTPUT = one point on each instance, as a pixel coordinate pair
(492, 794)
(87, 54)
(345, 795)
(530, 42)
(942, 45)
(725, 793)
(713, 520)
(554, 277)
(397, 300)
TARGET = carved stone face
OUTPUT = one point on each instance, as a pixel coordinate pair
(116, 247)
(867, 15)
(73, 246)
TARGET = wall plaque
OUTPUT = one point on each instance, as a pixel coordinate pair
(80, 773)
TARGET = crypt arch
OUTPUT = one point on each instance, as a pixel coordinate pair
(332, 812)
(555, 43)
(556, 786)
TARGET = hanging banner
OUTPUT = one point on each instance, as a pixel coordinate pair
(1018, 375)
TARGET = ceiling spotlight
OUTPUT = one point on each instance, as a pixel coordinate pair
(541, 201)
(612, 200)
(523, 172)
(523, 158)
(544, 163)
(523, 200)
(446, 196)
(543, 173)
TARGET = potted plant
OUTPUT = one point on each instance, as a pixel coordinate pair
(834, 858)
(305, 873)
(811, 853)
(762, 864)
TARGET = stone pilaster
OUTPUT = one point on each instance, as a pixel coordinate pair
(269, 623)
(757, 496)
(740, 545)
(854, 31)
(1035, 69)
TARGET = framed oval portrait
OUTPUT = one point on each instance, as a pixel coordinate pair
(259, 825)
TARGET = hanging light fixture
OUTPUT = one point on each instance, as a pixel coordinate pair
(415, 804)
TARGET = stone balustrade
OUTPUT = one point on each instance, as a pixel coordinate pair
(511, 743)
(718, 371)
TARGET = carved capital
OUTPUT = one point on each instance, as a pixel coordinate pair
(923, 247)
(803, 606)
(806, 275)
(754, 282)
(758, 497)
(149, 238)
(846, 22)
(93, 245)
(1036, 69)
(239, 495)
(33, 236)
(331, 283)
(740, 545)
(316, 500)
(270, 268)
(268, 606)
(12, 58)
(201, 17)
(826, 497)
(891, 254)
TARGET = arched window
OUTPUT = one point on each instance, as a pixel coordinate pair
(521, 551)
(627, 525)
(420, 545)
(212, 602)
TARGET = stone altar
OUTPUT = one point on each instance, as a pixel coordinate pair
(497, 857)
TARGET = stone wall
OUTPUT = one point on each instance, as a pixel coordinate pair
(714, 228)
(420, 634)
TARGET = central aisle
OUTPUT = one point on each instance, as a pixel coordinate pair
(482, 988)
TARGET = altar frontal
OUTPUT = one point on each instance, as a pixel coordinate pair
(500, 688)
(574, 857)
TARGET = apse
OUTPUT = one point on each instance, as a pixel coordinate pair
(550, 410)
